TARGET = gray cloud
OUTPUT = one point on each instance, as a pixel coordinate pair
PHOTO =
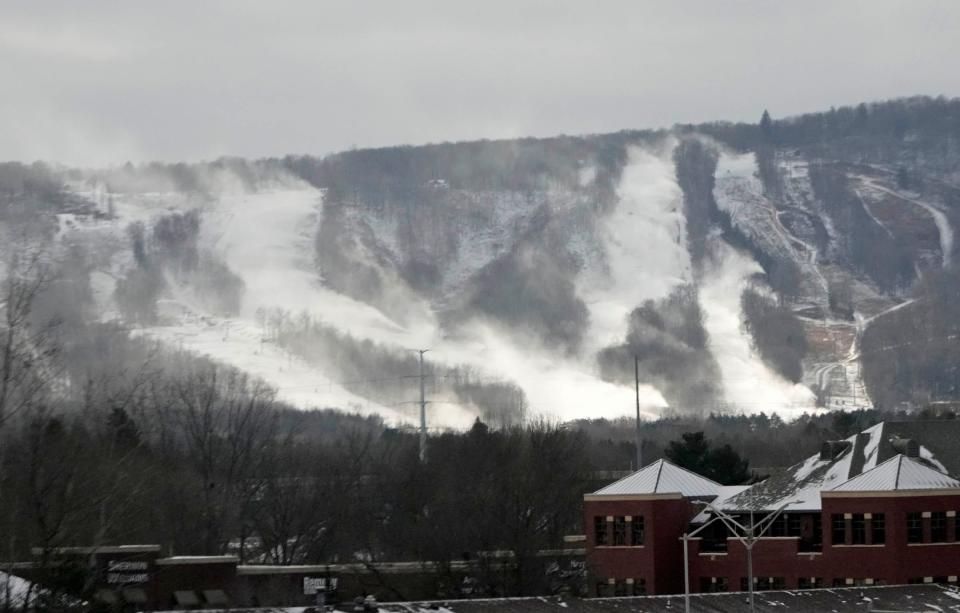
(101, 82)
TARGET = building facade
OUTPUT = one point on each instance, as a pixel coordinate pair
(880, 507)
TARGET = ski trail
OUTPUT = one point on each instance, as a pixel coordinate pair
(749, 384)
(939, 218)
(243, 345)
(644, 241)
(876, 220)
(739, 192)
(267, 238)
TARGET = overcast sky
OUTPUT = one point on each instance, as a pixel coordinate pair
(96, 82)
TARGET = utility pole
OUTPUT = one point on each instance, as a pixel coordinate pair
(423, 410)
(636, 382)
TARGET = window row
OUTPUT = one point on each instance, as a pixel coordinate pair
(764, 583)
(858, 529)
(619, 531)
(805, 526)
(942, 579)
(622, 587)
(720, 584)
(870, 529)
(857, 582)
(933, 527)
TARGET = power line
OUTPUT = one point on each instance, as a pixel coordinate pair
(423, 410)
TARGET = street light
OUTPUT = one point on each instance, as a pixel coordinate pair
(751, 534)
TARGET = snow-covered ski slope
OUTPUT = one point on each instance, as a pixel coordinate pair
(635, 252)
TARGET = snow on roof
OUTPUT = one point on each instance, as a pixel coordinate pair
(799, 486)
(724, 493)
(14, 591)
(927, 455)
(662, 477)
(898, 473)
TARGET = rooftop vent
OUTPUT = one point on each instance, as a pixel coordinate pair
(907, 446)
(831, 450)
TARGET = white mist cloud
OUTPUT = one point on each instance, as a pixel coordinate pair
(749, 385)
(644, 242)
(267, 238)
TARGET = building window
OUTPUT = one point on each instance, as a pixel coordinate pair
(811, 533)
(838, 533)
(619, 531)
(779, 526)
(858, 529)
(639, 587)
(938, 527)
(636, 531)
(620, 588)
(914, 528)
(600, 530)
(769, 583)
(794, 524)
(809, 583)
(714, 584)
(764, 583)
(878, 529)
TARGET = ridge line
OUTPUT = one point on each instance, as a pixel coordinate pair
(656, 483)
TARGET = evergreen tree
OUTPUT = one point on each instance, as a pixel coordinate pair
(722, 464)
(766, 126)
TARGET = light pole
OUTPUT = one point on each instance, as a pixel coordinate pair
(750, 535)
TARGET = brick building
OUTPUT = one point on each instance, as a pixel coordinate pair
(879, 507)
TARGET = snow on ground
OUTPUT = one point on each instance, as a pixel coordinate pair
(645, 244)
(556, 387)
(748, 383)
(739, 191)
(481, 242)
(267, 238)
(242, 345)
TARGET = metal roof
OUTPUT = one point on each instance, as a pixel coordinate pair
(799, 486)
(899, 473)
(662, 477)
(925, 597)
